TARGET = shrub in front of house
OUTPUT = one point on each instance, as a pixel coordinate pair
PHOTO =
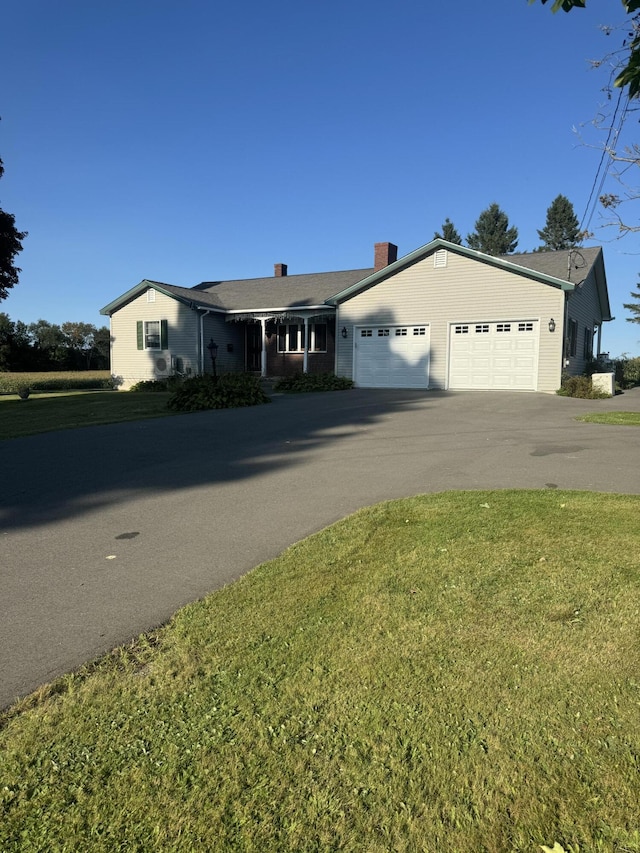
(627, 371)
(229, 391)
(168, 384)
(299, 382)
(582, 387)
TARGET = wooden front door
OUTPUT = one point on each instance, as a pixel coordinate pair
(254, 346)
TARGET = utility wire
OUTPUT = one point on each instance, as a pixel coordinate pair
(601, 173)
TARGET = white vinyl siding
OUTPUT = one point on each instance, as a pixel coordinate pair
(130, 365)
(583, 308)
(465, 288)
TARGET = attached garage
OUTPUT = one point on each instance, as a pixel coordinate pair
(392, 356)
(494, 355)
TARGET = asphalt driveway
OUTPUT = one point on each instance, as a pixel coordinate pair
(106, 531)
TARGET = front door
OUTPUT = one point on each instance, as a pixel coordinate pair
(254, 346)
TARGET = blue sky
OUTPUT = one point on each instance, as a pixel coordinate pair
(197, 140)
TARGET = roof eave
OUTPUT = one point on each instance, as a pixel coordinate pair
(322, 306)
(144, 285)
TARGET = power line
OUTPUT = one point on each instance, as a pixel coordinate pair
(601, 173)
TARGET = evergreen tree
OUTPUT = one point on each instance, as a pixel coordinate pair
(634, 307)
(493, 235)
(562, 228)
(449, 233)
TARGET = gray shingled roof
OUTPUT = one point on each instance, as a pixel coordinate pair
(266, 294)
(568, 266)
(280, 292)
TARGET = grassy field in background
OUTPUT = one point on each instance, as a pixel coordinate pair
(54, 380)
(67, 410)
(454, 672)
(615, 418)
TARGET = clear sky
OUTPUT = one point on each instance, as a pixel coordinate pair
(200, 140)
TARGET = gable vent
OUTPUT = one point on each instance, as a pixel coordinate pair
(151, 295)
(440, 258)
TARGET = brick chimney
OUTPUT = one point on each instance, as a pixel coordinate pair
(385, 254)
(279, 270)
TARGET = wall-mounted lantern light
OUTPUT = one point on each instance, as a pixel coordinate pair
(552, 325)
(344, 332)
(213, 352)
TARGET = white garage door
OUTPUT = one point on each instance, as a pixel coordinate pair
(392, 356)
(494, 355)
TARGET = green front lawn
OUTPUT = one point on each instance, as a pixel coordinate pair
(455, 672)
(616, 418)
(46, 412)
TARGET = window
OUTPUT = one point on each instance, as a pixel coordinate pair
(462, 330)
(573, 337)
(588, 343)
(366, 333)
(482, 329)
(152, 334)
(401, 333)
(383, 333)
(291, 337)
(525, 327)
(503, 327)
(420, 330)
(318, 337)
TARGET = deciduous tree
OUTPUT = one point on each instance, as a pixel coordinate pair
(493, 235)
(629, 74)
(10, 244)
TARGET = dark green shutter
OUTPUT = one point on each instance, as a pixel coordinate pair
(164, 335)
(140, 334)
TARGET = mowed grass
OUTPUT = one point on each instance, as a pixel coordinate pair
(455, 672)
(67, 410)
(616, 418)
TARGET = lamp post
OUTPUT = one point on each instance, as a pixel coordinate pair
(213, 352)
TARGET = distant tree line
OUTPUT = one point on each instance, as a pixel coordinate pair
(494, 236)
(46, 346)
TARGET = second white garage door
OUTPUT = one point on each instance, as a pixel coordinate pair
(392, 356)
(494, 355)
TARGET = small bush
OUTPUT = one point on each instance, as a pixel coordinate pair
(231, 390)
(582, 387)
(171, 383)
(300, 382)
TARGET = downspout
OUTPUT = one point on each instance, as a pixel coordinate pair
(263, 351)
(201, 353)
(305, 354)
(565, 333)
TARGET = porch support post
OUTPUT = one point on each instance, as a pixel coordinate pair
(305, 355)
(263, 354)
